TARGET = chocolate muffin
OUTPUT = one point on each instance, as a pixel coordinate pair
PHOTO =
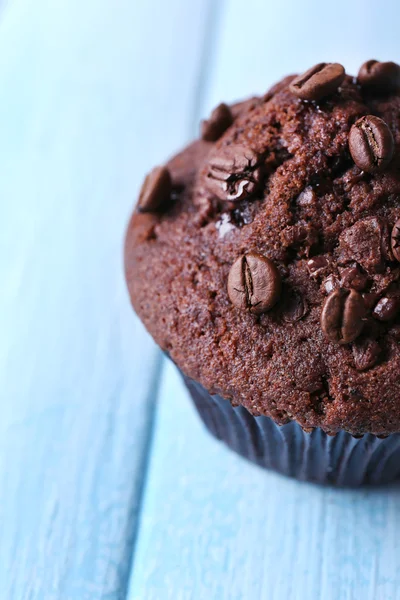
(264, 259)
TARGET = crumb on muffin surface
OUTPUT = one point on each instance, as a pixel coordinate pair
(281, 182)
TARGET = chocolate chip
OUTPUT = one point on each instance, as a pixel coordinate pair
(254, 283)
(156, 190)
(351, 277)
(302, 234)
(351, 178)
(294, 307)
(219, 121)
(386, 309)
(366, 354)
(318, 266)
(308, 197)
(318, 82)
(371, 144)
(342, 316)
(367, 243)
(233, 172)
(379, 76)
(331, 283)
(394, 331)
(382, 282)
(299, 234)
(370, 299)
(395, 240)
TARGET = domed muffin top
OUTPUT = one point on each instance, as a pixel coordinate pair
(265, 258)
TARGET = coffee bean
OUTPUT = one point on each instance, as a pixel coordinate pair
(386, 309)
(318, 82)
(342, 316)
(379, 76)
(366, 354)
(219, 121)
(156, 190)
(371, 144)
(395, 240)
(233, 172)
(254, 283)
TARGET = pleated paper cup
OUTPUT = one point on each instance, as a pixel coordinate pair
(341, 459)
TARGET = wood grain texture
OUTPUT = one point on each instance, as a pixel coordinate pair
(213, 526)
(87, 105)
(92, 95)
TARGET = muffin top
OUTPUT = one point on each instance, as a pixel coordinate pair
(265, 257)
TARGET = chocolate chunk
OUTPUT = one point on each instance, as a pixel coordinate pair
(366, 354)
(394, 331)
(319, 81)
(156, 190)
(301, 234)
(395, 240)
(351, 178)
(254, 283)
(370, 299)
(351, 277)
(387, 308)
(330, 283)
(342, 316)
(366, 242)
(233, 172)
(379, 77)
(221, 118)
(294, 306)
(371, 144)
(318, 266)
(308, 197)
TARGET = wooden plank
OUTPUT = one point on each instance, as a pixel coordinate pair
(87, 105)
(214, 526)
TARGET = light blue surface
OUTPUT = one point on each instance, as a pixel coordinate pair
(109, 486)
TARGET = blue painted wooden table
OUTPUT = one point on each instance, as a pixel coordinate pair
(109, 486)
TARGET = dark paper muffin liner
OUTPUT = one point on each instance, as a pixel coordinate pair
(338, 460)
